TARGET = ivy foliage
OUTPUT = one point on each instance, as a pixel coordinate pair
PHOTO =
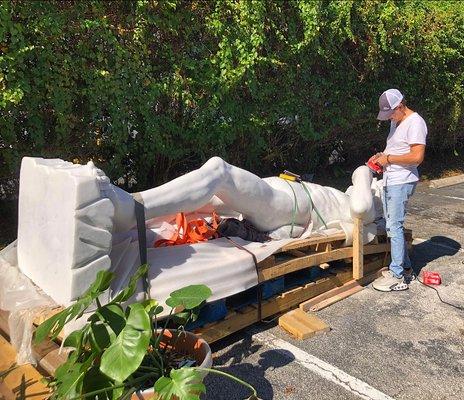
(150, 89)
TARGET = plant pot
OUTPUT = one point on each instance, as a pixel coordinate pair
(187, 343)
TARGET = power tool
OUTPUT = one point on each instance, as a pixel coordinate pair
(374, 167)
(431, 278)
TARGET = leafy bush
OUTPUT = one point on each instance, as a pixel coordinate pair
(151, 89)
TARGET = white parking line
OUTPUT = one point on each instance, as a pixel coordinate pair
(321, 368)
(442, 195)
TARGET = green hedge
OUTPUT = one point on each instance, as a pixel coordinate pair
(150, 89)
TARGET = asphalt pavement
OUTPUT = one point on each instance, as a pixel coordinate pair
(402, 345)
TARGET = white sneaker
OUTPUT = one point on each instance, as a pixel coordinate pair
(389, 282)
(408, 276)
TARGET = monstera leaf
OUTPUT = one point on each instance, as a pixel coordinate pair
(189, 297)
(183, 383)
(129, 290)
(126, 353)
(55, 324)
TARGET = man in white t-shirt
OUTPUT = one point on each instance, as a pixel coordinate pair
(404, 151)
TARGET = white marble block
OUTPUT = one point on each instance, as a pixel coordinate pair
(64, 226)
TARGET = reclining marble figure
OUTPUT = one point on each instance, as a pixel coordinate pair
(69, 214)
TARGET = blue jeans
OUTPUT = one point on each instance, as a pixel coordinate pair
(395, 200)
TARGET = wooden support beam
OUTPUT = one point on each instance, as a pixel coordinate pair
(285, 267)
(313, 240)
(332, 296)
(358, 248)
(297, 253)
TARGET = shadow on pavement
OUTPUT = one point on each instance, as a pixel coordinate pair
(432, 249)
(219, 388)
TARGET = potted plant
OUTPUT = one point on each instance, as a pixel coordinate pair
(127, 351)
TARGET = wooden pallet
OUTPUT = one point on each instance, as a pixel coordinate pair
(321, 250)
(237, 320)
(362, 263)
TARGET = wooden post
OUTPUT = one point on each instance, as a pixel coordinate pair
(358, 256)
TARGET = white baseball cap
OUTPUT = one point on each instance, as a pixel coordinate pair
(388, 101)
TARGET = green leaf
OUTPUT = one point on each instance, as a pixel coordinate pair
(126, 353)
(74, 339)
(51, 324)
(101, 283)
(54, 325)
(113, 315)
(183, 383)
(100, 337)
(118, 392)
(189, 297)
(183, 317)
(128, 291)
(151, 306)
(95, 380)
(70, 382)
(64, 368)
(138, 317)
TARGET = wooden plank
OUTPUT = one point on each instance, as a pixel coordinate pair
(23, 375)
(47, 353)
(6, 393)
(358, 248)
(278, 268)
(334, 299)
(308, 304)
(297, 253)
(301, 324)
(268, 262)
(285, 267)
(274, 306)
(314, 239)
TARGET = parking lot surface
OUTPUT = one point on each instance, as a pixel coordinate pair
(401, 345)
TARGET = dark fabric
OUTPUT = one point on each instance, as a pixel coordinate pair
(242, 229)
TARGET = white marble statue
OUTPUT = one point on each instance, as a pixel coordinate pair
(268, 203)
(69, 214)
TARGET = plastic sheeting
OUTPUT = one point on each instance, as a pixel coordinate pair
(219, 264)
(23, 300)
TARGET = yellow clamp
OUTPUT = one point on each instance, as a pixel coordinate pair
(288, 177)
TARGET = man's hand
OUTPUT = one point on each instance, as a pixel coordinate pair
(375, 157)
(382, 160)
